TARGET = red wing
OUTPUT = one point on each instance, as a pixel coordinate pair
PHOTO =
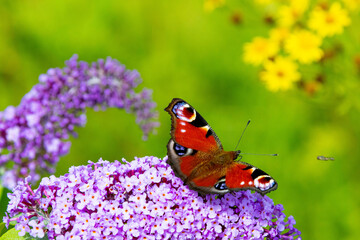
(189, 163)
(189, 128)
(241, 176)
(193, 137)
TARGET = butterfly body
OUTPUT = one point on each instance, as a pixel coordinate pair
(196, 155)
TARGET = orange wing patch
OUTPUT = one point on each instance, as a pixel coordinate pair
(206, 182)
(237, 177)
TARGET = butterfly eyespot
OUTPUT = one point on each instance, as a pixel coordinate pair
(183, 151)
(220, 185)
(183, 111)
(264, 182)
(180, 150)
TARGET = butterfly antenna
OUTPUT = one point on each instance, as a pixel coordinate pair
(263, 154)
(247, 124)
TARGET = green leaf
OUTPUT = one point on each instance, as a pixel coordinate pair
(12, 234)
(4, 201)
(1, 190)
(2, 229)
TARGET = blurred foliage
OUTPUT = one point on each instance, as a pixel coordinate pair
(183, 51)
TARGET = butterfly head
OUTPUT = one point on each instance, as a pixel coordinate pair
(237, 154)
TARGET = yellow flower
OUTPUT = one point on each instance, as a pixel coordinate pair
(328, 22)
(211, 5)
(279, 34)
(259, 50)
(289, 15)
(304, 46)
(279, 74)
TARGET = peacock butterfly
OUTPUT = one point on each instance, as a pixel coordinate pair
(197, 157)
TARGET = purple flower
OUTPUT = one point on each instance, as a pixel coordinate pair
(140, 200)
(34, 134)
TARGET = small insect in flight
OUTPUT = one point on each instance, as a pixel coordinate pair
(323, 158)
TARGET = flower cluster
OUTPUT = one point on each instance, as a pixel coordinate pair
(142, 199)
(33, 135)
(297, 38)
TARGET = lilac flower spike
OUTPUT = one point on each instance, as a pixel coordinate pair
(140, 200)
(33, 135)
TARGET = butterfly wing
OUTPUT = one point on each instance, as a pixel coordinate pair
(192, 147)
(189, 128)
(243, 176)
(197, 157)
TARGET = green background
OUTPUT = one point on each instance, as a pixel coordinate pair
(182, 51)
